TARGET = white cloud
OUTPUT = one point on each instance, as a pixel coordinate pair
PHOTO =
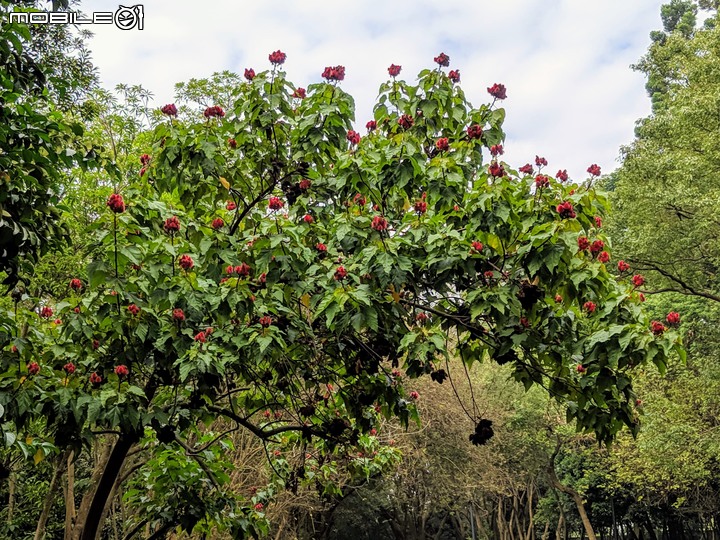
(571, 94)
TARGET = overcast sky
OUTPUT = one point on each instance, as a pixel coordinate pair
(572, 96)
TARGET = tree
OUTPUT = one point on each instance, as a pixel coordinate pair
(269, 258)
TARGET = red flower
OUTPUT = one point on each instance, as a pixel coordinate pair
(623, 266)
(249, 74)
(201, 337)
(414, 395)
(305, 184)
(394, 70)
(540, 161)
(116, 203)
(340, 273)
(95, 344)
(542, 181)
(230, 269)
(121, 370)
(524, 322)
(638, 280)
(420, 207)
(379, 223)
(172, 225)
(76, 309)
(589, 307)
(641, 296)
(566, 210)
(46, 312)
(132, 308)
(275, 203)
(322, 248)
(598, 221)
(526, 169)
(421, 317)
(214, 112)
(178, 315)
(604, 257)
(371, 125)
(143, 171)
(442, 144)
(95, 378)
(259, 506)
(673, 318)
(497, 91)
(144, 159)
(454, 75)
(558, 299)
(299, 93)
(308, 218)
(353, 137)
(594, 169)
(57, 321)
(359, 199)
(265, 321)
(456, 208)
(263, 278)
(232, 143)
(169, 110)
(657, 328)
(277, 57)
(496, 170)
(597, 246)
(583, 243)
(186, 262)
(580, 368)
(562, 175)
(477, 247)
(33, 368)
(406, 121)
(489, 274)
(336, 73)
(373, 432)
(243, 270)
(496, 150)
(217, 223)
(230, 206)
(442, 60)
(474, 132)
(76, 284)
(69, 368)
(209, 331)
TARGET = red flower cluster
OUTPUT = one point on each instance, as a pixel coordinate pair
(259, 506)
(76, 284)
(604, 257)
(116, 203)
(186, 262)
(242, 270)
(454, 75)
(673, 318)
(217, 223)
(421, 317)
(496, 150)
(336, 73)
(526, 169)
(420, 207)
(594, 169)
(623, 266)
(340, 273)
(566, 210)
(172, 225)
(496, 170)
(178, 315)
(46, 312)
(275, 203)
(580, 368)
(230, 205)
(562, 175)
(249, 74)
(169, 110)
(657, 328)
(442, 60)
(277, 57)
(69, 368)
(583, 243)
(590, 307)
(144, 159)
(214, 112)
(359, 199)
(542, 181)
(263, 278)
(95, 344)
(638, 280)
(371, 125)
(598, 221)
(353, 137)
(33, 368)
(474, 132)
(394, 70)
(477, 247)
(133, 309)
(322, 248)
(442, 144)
(597, 246)
(489, 274)
(406, 121)
(201, 337)
(379, 223)
(307, 218)
(414, 395)
(304, 184)
(497, 91)
(95, 378)
(540, 161)
(299, 93)
(121, 370)
(265, 321)
(232, 143)
(558, 299)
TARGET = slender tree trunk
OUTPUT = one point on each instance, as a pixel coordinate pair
(50, 495)
(70, 497)
(546, 532)
(560, 526)
(12, 486)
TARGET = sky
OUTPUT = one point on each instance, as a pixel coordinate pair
(572, 95)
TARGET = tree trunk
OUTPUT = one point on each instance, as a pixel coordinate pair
(12, 480)
(70, 497)
(50, 496)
